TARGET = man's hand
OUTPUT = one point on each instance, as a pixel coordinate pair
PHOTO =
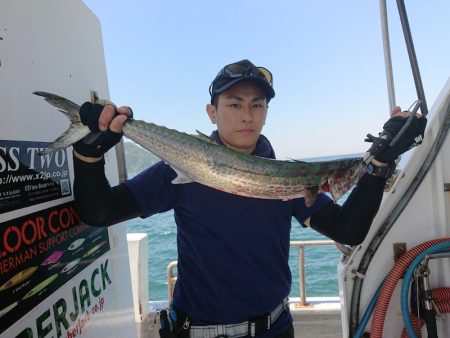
(105, 123)
(382, 150)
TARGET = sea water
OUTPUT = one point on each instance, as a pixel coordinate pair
(320, 269)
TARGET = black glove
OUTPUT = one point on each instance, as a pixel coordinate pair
(97, 142)
(382, 149)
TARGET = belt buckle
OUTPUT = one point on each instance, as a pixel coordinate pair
(258, 324)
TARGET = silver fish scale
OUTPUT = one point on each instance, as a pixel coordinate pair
(227, 170)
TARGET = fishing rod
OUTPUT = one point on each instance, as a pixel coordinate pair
(421, 102)
(412, 56)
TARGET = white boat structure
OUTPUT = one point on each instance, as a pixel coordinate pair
(60, 277)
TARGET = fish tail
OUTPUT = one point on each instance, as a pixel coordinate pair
(76, 130)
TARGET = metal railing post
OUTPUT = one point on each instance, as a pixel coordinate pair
(171, 279)
(301, 273)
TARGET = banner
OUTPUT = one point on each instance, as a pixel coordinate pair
(42, 251)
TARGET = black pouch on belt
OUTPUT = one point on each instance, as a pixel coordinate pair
(168, 325)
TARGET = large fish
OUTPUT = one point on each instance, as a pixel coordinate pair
(200, 159)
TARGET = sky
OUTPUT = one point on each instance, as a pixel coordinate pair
(326, 58)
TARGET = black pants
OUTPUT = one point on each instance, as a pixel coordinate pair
(289, 333)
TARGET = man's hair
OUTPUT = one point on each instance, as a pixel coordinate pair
(215, 101)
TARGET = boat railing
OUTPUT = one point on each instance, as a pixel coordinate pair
(302, 263)
(300, 245)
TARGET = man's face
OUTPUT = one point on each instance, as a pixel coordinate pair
(240, 115)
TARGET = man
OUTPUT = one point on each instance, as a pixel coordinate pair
(233, 273)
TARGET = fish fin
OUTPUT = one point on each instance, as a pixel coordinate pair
(311, 195)
(205, 137)
(181, 179)
(67, 107)
(296, 161)
(74, 133)
(335, 193)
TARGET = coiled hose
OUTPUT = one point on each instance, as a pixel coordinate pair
(407, 281)
(390, 282)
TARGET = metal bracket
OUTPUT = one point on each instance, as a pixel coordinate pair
(399, 250)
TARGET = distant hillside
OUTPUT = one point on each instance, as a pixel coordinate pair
(137, 158)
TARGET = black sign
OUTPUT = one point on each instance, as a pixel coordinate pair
(27, 178)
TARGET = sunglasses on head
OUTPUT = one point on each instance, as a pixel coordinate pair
(237, 70)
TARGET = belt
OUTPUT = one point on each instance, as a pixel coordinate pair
(251, 328)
